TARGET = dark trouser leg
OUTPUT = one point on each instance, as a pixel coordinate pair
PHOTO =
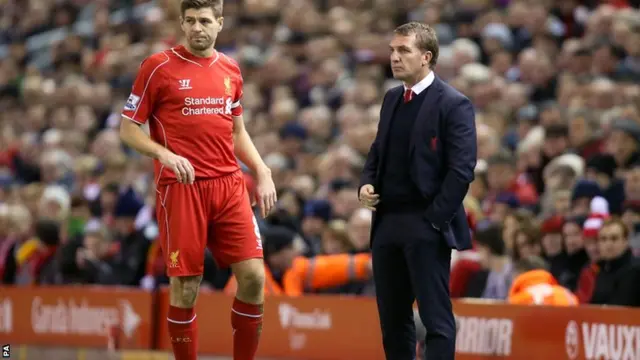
(394, 294)
(428, 259)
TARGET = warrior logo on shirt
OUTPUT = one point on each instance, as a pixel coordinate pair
(227, 86)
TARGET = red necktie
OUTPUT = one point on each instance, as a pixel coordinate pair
(408, 95)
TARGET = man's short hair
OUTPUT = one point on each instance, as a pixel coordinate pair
(531, 263)
(491, 238)
(502, 157)
(613, 221)
(215, 5)
(426, 38)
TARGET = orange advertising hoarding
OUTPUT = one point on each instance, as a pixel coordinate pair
(487, 331)
(76, 316)
(309, 327)
(336, 328)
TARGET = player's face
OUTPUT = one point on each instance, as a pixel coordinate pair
(201, 28)
(407, 60)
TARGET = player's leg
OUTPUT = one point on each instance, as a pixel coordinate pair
(247, 309)
(238, 244)
(183, 232)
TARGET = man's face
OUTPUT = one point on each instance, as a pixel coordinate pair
(572, 237)
(500, 176)
(579, 131)
(611, 242)
(554, 146)
(525, 247)
(108, 199)
(312, 226)
(632, 184)
(407, 60)
(499, 212)
(123, 226)
(591, 246)
(201, 28)
(620, 144)
(552, 244)
(581, 206)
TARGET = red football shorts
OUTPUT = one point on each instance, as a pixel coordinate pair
(214, 213)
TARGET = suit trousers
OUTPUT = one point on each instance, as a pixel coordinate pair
(411, 261)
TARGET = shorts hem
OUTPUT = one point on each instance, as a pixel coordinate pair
(235, 261)
(193, 273)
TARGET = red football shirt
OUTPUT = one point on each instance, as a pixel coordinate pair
(189, 102)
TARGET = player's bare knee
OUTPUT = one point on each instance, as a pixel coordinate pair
(184, 290)
(251, 285)
(250, 278)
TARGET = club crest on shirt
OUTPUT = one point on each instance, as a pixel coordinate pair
(173, 256)
(227, 86)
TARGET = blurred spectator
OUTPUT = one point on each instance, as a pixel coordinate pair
(33, 257)
(631, 218)
(503, 180)
(534, 285)
(556, 87)
(552, 245)
(289, 273)
(577, 256)
(527, 242)
(619, 271)
(495, 280)
(600, 168)
(335, 238)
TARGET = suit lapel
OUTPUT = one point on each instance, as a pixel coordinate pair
(428, 111)
(393, 99)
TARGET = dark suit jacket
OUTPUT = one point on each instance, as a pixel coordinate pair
(443, 152)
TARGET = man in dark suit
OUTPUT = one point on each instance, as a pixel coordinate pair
(416, 175)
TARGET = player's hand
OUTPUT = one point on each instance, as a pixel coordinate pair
(180, 166)
(368, 197)
(266, 193)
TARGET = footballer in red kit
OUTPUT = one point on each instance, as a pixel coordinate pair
(190, 96)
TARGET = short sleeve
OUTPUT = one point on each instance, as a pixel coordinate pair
(236, 106)
(143, 95)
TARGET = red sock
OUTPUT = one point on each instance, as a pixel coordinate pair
(183, 332)
(246, 320)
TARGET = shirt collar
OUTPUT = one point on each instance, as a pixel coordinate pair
(421, 85)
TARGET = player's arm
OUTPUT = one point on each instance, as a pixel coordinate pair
(246, 151)
(139, 107)
(133, 136)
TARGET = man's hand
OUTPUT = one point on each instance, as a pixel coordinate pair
(368, 197)
(266, 192)
(179, 165)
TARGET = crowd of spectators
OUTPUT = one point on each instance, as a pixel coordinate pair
(556, 86)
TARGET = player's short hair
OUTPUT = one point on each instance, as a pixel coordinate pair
(426, 38)
(215, 5)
